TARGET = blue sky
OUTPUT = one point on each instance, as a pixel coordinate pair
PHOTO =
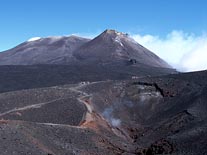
(23, 19)
(170, 28)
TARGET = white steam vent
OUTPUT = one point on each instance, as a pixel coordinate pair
(108, 114)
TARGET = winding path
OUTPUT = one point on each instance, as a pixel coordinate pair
(39, 105)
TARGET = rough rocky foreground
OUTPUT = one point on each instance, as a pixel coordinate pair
(143, 116)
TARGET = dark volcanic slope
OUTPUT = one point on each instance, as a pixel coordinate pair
(42, 51)
(38, 76)
(146, 116)
(47, 105)
(115, 46)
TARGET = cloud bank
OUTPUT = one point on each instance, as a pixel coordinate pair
(185, 52)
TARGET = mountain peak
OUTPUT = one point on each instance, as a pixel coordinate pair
(113, 32)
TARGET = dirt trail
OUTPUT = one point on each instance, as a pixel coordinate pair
(85, 99)
(33, 106)
(92, 119)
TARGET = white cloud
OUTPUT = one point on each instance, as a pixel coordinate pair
(183, 51)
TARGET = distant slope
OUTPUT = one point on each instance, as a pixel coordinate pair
(41, 51)
(38, 76)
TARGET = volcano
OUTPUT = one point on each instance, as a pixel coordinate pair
(51, 61)
(107, 95)
(110, 46)
(116, 46)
